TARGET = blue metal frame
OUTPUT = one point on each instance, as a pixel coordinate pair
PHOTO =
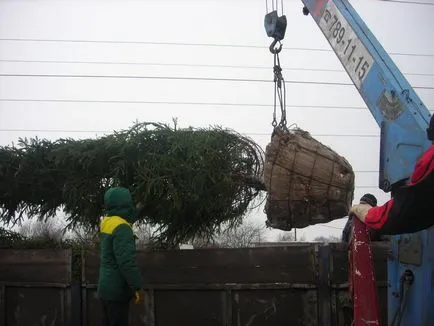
(403, 120)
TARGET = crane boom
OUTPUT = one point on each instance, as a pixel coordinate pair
(403, 119)
(393, 103)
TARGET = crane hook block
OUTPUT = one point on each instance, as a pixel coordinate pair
(275, 26)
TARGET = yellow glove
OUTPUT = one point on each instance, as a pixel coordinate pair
(138, 297)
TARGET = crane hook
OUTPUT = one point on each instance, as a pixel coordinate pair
(272, 47)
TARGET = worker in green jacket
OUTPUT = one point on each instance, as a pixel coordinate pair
(120, 279)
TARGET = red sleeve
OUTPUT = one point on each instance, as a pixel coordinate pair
(424, 166)
(378, 215)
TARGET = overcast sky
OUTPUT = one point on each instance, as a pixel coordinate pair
(172, 38)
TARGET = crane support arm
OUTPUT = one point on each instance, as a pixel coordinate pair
(393, 103)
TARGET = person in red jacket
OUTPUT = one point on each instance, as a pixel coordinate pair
(411, 208)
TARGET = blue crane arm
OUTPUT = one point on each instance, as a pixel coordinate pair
(403, 119)
(395, 106)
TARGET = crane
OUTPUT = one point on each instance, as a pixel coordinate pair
(402, 118)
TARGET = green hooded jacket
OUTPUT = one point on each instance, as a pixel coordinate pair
(119, 275)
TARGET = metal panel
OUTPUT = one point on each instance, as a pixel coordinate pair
(92, 311)
(227, 313)
(296, 285)
(144, 314)
(275, 307)
(189, 307)
(84, 311)
(189, 286)
(343, 310)
(36, 287)
(75, 310)
(292, 264)
(324, 298)
(419, 310)
(410, 249)
(30, 306)
(42, 265)
(139, 314)
(2, 305)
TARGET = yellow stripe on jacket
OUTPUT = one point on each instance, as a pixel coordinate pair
(110, 223)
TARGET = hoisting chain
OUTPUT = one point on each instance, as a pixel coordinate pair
(275, 27)
(279, 94)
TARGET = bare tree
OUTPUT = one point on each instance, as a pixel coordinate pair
(143, 231)
(286, 237)
(240, 237)
(328, 239)
(204, 242)
(85, 235)
(301, 238)
(145, 235)
(47, 230)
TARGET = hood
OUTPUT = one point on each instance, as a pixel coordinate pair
(119, 202)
